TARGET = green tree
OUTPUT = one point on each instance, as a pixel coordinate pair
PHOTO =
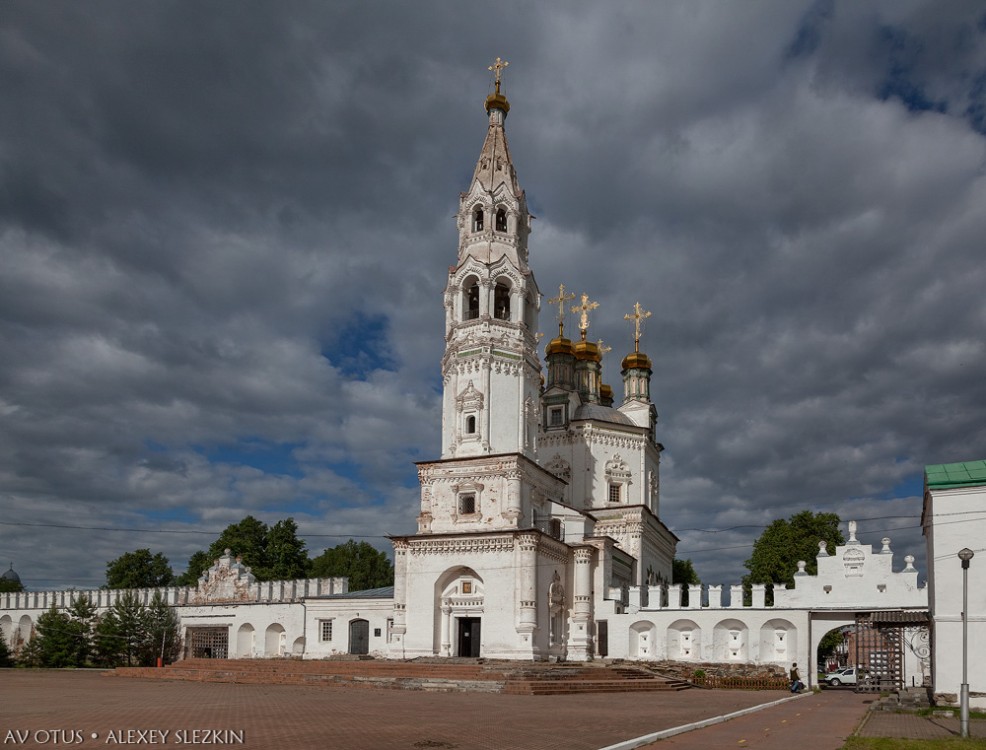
(272, 554)
(5, 658)
(138, 570)
(83, 622)
(30, 654)
(286, 554)
(56, 639)
(247, 540)
(198, 563)
(782, 544)
(364, 565)
(163, 633)
(682, 571)
(123, 632)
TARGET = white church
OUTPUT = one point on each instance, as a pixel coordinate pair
(539, 535)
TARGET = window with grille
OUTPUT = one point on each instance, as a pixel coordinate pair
(326, 633)
(467, 504)
(556, 417)
(614, 493)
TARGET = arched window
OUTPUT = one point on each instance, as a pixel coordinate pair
(501, 302)
(471, 425)
(477, 220)
(501, 220)
(472, 301)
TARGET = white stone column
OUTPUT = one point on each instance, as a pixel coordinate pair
(446, 628)
(485, 303)
(580, 639)
(527, 545)
(513, 510)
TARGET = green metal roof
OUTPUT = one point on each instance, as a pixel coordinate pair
(963, 474)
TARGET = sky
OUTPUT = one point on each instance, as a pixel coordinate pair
(225, 233)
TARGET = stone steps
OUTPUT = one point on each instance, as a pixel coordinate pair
(500, 677)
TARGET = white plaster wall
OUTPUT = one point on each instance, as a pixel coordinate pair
(342, 611)
(706, 633)
(954, 519)
(260, 616)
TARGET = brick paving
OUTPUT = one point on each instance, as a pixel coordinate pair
(889, 724)
(299, 717)
(42, 703)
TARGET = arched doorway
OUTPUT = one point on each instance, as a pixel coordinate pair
(359, 637)
(459, 599)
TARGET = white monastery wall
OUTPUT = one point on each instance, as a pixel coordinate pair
(952, 521)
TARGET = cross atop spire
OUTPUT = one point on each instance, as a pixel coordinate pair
(639, 315)
(560, 300)
(497, 70)
(584, 309)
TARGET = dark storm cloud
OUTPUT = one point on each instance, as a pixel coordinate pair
(224, 229)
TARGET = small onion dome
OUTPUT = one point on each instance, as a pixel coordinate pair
(606, 394)
(588, 350)
(559, 345)
(497, 101)
(10, 575)
(636, 361)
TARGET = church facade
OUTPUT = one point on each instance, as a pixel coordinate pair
(545, 498)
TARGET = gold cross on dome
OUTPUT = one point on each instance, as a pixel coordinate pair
(497, 69)
(584, 309)
(639, 315)
(560, 300)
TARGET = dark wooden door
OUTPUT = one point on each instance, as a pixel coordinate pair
(359, 637)
(469, 637)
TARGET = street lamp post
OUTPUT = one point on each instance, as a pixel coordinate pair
(965, 555)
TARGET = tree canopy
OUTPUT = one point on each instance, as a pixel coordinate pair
(272, 553)
(782, 544)
(137, 570)
(682, 571)
(364, 565)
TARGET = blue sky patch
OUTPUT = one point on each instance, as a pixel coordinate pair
(361, 346)
(264, 455)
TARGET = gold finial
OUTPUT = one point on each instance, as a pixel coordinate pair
(560, 300)
(603, 349)
(639, 315)
(497, 70)
(584, 309)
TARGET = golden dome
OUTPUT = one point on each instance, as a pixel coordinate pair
(606, 394)
(588, 350)
(559, 345)
(497, 101)
(636, 361)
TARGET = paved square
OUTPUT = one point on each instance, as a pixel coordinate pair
(49, 705)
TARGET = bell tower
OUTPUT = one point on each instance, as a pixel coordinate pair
(491, 370)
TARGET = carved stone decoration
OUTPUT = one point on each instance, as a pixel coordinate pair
(228, 580)
(559, 467)
(617, 470)
(853, 559)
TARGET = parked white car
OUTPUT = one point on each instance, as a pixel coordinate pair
(844, 676)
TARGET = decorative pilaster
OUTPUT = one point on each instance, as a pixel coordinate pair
(580, 636)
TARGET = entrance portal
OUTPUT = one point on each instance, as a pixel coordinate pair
(207, 643)
(469, 639)
(359, 637)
